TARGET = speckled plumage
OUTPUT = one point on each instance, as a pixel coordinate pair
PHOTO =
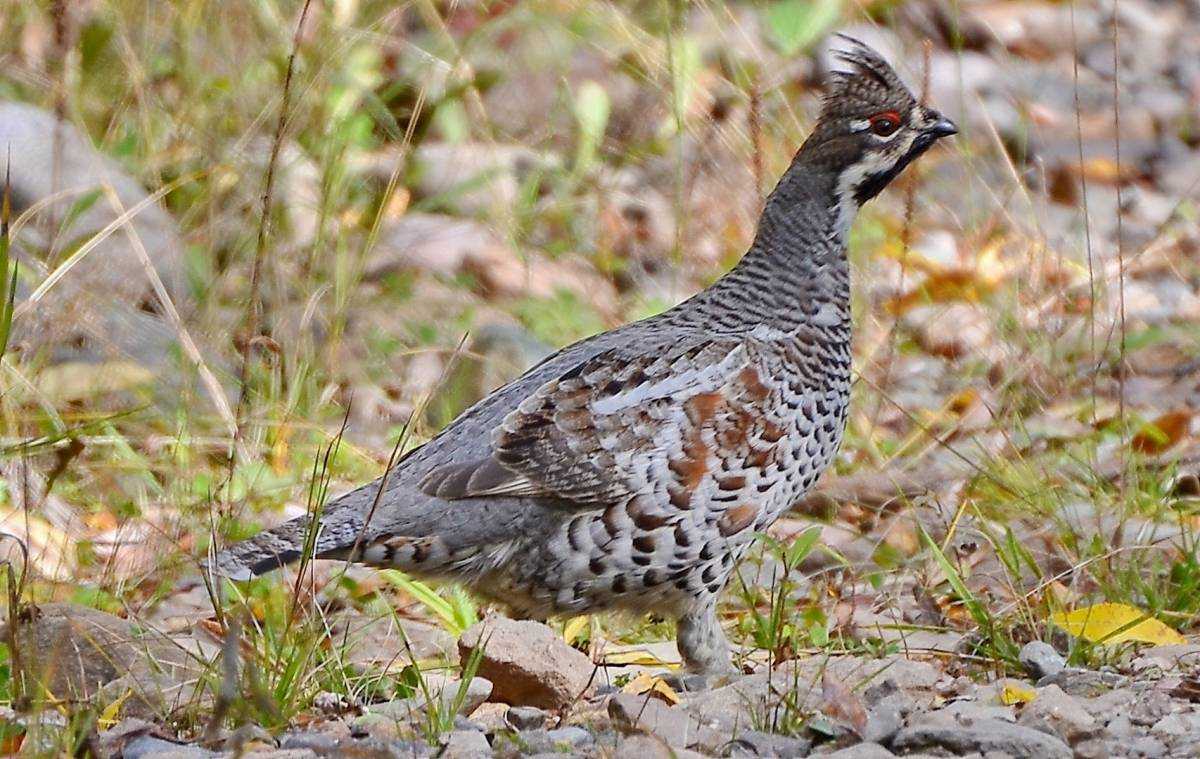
(632, 469)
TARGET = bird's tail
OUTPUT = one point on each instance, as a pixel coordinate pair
(331, 533)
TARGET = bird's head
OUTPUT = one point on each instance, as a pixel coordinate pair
(870, 127)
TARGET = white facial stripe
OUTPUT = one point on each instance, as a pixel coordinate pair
(860, 125)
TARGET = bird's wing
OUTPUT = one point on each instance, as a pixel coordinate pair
(630, 420)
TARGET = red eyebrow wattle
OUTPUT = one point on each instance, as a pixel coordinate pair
(893, 115)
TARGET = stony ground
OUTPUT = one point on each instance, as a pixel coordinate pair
(534, 695)
(459, 188)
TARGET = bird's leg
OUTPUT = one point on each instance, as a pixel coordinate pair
(702, 644)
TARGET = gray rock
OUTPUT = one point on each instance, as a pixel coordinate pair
(476, 178)
(861, 751)
(525, 718)
(969, 713)
(1149, 708)
(564, 739)
(1177, 725)
(466, 744)
(1041, 660)
(78, 653)
(379, 643)
(643, 746)
(1143, 747)
(753, 743)
(886, 717)
(984, 736)
(322, 744)
(92, 313)
(149, 747)
(570, 737)
(1084, 683)
(633, 712)
(1053, 711)
(529, 664)
(445, 693)
(431, 242)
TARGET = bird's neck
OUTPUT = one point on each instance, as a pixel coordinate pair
(795, 274)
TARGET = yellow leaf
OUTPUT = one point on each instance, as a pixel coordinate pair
(655, 686)
(108, 717)
(1116, 623)
(1015, 692)
(574, 628)
(635, 657)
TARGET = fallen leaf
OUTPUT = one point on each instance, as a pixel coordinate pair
(842, 704)
(655, 686)
(1015, 692)
(574, 628)
(636, 657)
(1162, 433)
(108, 717)
(1116, 623)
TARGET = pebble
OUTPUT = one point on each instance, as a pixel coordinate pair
(525, 718)
(753, 743)
(1041, 660)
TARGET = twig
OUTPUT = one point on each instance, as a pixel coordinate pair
(254, 306)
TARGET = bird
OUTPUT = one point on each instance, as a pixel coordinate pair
(632, 470)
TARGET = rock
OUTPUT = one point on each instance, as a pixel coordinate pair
(562, 740)
(93, 313)
(150, 747)
(984, 736)
(466, 744)
(1041, 660)
(1084, 683)
(525, 718)
(528, 663)
(297, 196)
(386, 642)
(635, 712)
(1149, 708)
(1143, 747)
(861, 751)
(1177, 726)
(89, 650)
(476, 179)
(446, 692)
(754, 743)
(886, 717)
(642, 746)
(730, 709)
(955, 330)
(571, 738)
(1055, 712)
(431, 242)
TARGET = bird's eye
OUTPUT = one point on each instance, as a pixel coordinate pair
(885, 124)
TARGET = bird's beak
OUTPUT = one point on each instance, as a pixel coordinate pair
(941, 127)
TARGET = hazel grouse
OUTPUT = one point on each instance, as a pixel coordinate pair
(632, 469)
